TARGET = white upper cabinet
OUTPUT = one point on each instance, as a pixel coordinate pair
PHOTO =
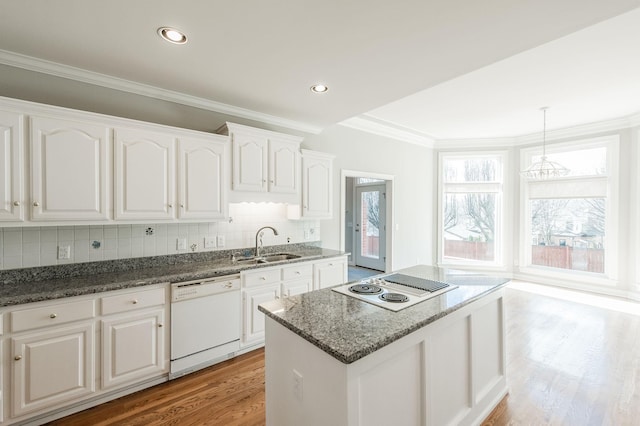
(69, 169)
(317, 185)
(284, 169)
(11, 161)
(202, 165)
(264, 161)
(145, 174)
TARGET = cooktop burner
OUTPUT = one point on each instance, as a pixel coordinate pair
(394, 297)
(365, 289)
(395, 291)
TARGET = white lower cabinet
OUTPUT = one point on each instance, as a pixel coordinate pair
(81, 350)
(52, 367)
(253, 320)
(145, 333)
(331, 272)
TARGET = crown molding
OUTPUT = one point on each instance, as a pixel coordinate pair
(59, 70)
(582, 130)
(370, 125)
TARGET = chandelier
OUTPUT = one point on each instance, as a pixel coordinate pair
(544, 169)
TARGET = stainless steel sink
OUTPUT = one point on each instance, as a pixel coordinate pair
(277, 257)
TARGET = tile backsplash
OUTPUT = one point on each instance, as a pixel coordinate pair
(39, 246)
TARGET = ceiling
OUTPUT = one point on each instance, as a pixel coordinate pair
(445, 69)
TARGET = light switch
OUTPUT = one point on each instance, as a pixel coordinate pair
(221, 241)
(181, 244)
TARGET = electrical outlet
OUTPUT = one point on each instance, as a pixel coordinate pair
(297, 385)
(307, 234)
(181, 244)
(221, 241)
(64, 252)
(209, 242)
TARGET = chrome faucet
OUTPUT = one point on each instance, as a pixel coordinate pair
(259, 235)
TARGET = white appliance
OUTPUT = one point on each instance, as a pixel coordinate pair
(395, 292)
(205, 323)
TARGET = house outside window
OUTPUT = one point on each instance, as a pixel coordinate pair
(569, 222)
(470, 216)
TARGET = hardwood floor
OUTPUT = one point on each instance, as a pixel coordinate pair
(568, 363)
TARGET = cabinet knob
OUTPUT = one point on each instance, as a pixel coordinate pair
(170, 206)
(271, 181)
(182, 205)
(228, 285)
(17, 357)
(159, 325)
(53, 316)
(305, 207)
(297, 272)
(262, 278)
(134, 301)
(277, 297)
(36, 204)
(16, 203)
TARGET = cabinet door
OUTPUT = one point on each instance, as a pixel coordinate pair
(317, 186)
(293, 288)
(329, 273)
(69, 170)
(283, 166)
(249, 162)
(52, 367)
(145, 175)
(133, 348)
(11, 160)
(253, 324)
(202, 186)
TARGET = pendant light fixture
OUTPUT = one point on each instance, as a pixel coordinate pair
(544, 169)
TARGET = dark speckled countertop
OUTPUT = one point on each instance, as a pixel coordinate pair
(54, 282)
(349, 329)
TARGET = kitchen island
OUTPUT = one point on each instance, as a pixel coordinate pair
(334, 359)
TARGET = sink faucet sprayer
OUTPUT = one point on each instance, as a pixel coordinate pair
(259, 235)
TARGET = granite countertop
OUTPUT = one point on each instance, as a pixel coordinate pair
(349, 329)
(55, 282)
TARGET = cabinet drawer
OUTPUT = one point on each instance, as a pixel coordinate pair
(134, 300)
(61, 313)
(260, 277)
(297, 271)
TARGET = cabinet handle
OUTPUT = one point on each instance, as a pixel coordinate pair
(17, 357)
(134, 301)
(297, 272)
(16, 203)
(36, 204)
(263, 278)
(53, 316)
(331, 264)
(228, 285)
(277, 297)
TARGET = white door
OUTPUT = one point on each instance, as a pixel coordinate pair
(133, 348)
(202, 186)
(283, 166)
(69, 169)
(370, 229)
(52, 367)
(11, 159)
(145, 175)
(249, 162)
(317, 181)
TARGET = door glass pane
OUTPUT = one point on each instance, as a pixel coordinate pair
(370, 220)
(568, 233)
(469, 226)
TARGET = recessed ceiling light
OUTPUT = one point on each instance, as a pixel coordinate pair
(172, 35)
(319, 88)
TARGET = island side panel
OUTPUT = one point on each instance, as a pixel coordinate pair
(303, 384)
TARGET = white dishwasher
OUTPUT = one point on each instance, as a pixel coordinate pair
(205, 323)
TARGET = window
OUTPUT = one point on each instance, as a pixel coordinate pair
(569, 221)
(471, 203)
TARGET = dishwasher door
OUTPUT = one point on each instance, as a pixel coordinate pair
(205, 323)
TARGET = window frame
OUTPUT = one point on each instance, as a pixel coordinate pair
(496, 187)
(612, 206)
